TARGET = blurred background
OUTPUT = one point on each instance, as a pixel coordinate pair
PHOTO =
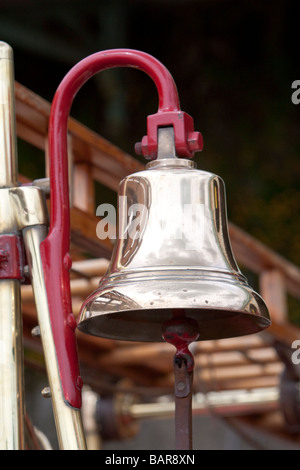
(233, 62)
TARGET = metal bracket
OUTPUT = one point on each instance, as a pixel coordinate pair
(183, 404)
(11, 257)
(20, 207)
(187, 141)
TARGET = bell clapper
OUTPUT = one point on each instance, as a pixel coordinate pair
(181, 331)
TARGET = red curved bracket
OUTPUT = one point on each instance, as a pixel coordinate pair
(55, 248)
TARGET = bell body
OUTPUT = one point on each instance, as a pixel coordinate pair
(172, 257)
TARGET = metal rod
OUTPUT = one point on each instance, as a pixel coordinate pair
(181, 331)
(11, 348)
(183, 405)
(228, 403)
(68, 419)
(11, 368)
(166, 143)
(8, 152)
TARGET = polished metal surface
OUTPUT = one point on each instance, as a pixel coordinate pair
(68, 420)
(20, 207)
(23, 209)
(8, 166)
(11, 368)
(11, 349)
(172, 254)
(166, 143)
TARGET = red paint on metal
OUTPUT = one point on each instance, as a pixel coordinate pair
(181, 331)
(187, 141)
(55, 248)
(11, 257)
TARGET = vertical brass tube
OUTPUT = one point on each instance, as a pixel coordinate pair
(183, 407)
(11, 368)
(8, 145)
(11, 348)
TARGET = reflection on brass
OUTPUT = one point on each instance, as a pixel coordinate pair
(178, 258)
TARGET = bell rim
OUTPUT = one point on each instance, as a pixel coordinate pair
(254, 323)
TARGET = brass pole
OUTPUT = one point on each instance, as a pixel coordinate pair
(11, 347)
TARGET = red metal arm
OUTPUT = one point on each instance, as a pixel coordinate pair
(55, 248)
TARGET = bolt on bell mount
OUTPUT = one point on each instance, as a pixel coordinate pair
(172, 281)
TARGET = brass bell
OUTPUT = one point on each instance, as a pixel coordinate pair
(172, 254)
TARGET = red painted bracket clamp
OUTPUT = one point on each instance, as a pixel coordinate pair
(12, 257)
(55, 248)
(187, 141)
